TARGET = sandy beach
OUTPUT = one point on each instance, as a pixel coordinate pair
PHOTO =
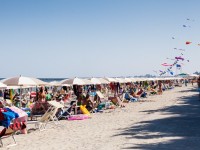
(168, 121)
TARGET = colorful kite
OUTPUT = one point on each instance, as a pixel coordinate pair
(179, 58)
(165, 64)
(188, 42)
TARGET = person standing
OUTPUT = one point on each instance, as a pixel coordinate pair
(198, 83)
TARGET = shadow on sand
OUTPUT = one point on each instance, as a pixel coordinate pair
(182, 128)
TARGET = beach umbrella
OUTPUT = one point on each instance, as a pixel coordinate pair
(120, 80)
(88, 82)
(110, 79)
(3, 86)
(23, 81)
(74, 81)
(103, 81)
(128, 80)
(55, 83)
(95, 81)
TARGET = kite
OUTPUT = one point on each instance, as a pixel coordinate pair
(186, 26)
(171, 72)
(181, 49)
(178, 66)
(173, 38)
(170, 58)
(179, 58)
(188, 42)
(155, 71)
(165, 64)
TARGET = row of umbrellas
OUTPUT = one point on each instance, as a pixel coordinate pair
(23, 81)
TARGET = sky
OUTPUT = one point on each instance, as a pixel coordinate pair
(87, 38)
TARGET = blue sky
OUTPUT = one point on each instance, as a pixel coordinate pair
(67, 38)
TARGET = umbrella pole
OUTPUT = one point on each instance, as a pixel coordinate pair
(20, 105)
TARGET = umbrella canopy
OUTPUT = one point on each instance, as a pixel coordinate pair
(95, 81)
(2, 86)
(121, 80)
(23, 81)
(103, 81)
(111, 79)
(55, 83)
(88, 82)
(74, 81)
(128, 80)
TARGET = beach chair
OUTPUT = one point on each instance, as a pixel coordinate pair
(5, 133)
(101, 96)
(50, 115)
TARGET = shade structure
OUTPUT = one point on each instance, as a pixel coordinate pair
(55, 83)
(110, 79)
(95, 81)
(128, 80)
(23, 81)
(121, 80)
(88, 82)
(3, 86)
(74, 81)
(103, 81)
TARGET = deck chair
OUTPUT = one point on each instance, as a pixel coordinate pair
(50, 115)
(101, 96)
(5, 133)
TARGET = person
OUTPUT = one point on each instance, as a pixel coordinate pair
(186, 81)
(198, 83)
(42, 94)
(160, 90)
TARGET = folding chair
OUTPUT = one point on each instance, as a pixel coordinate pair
(50, 115)
(5, 133)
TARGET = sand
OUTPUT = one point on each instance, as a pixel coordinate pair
(168, 121)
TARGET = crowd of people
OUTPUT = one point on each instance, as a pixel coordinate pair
(95, 98)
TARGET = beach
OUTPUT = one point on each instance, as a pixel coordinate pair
(168, 121)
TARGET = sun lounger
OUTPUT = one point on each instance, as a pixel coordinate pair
(50, 115)
(5, 133)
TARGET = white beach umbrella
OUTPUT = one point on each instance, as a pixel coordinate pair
(110, 79)
(88, 82)
(23, 81)
(74, 81)
(120, 80)
(95, 81)
(103, 81)
(3, 86)
(55, 83)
